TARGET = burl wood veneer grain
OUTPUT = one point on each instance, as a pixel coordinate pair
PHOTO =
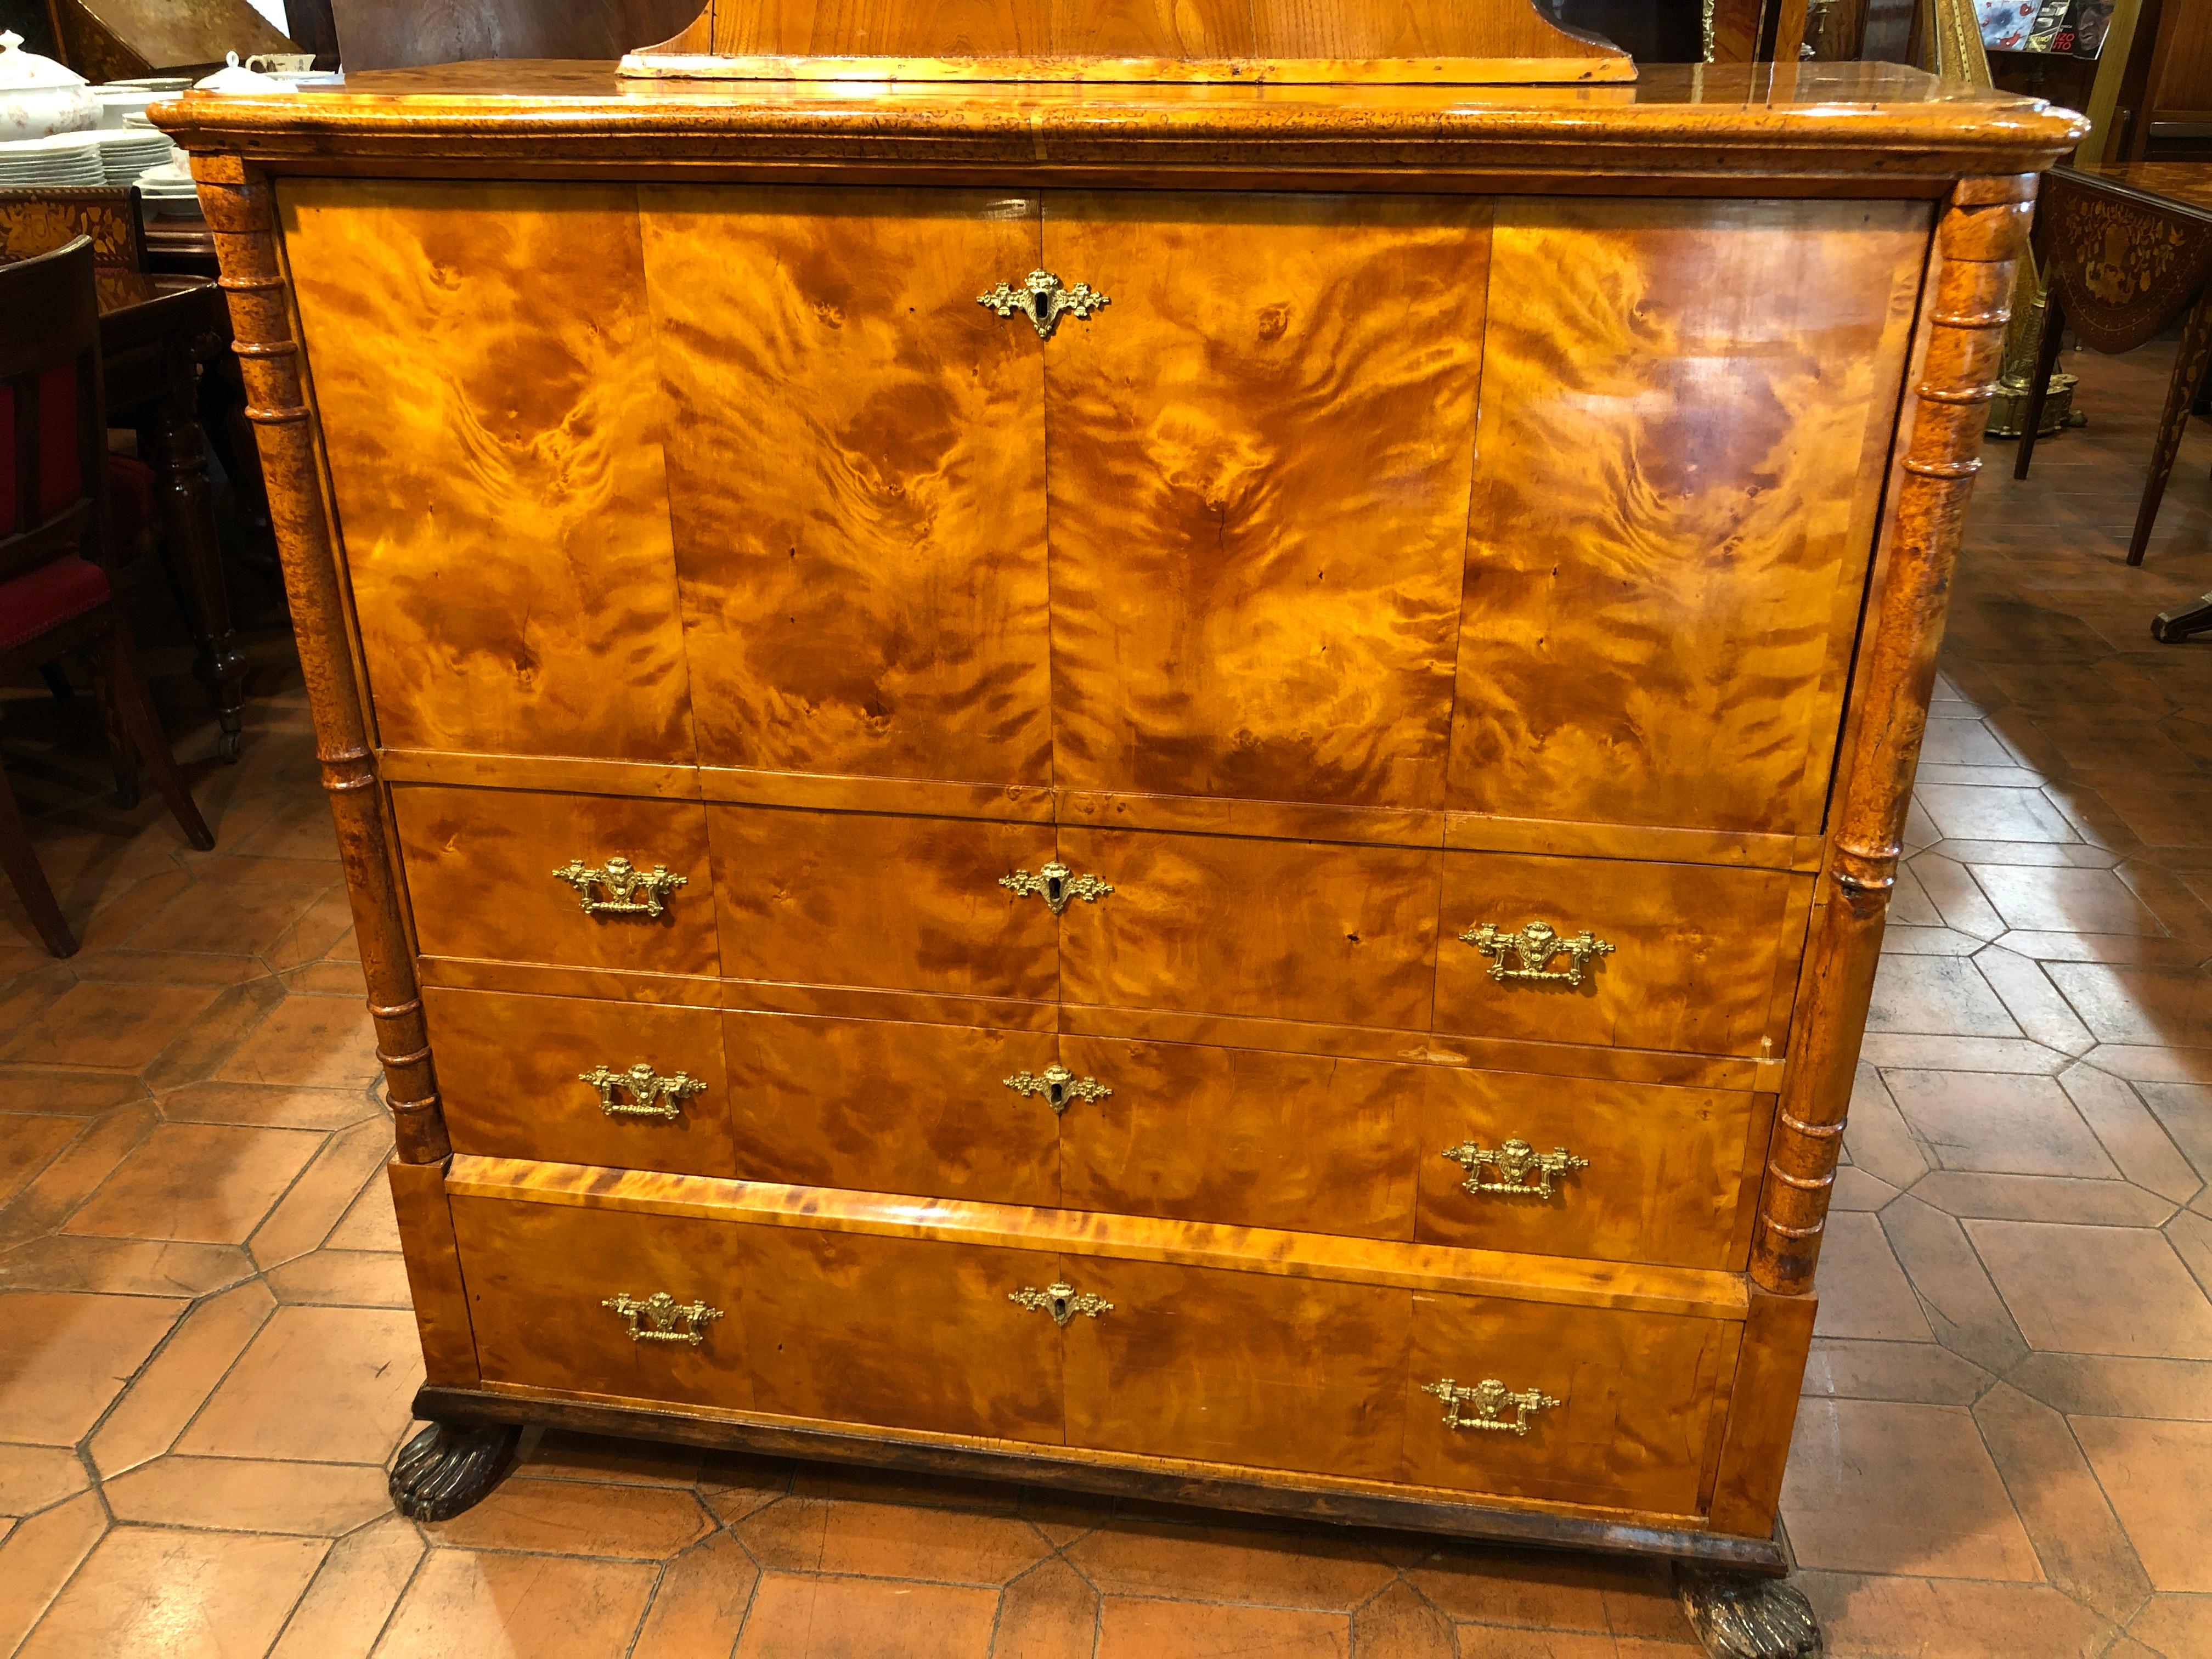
(910, 1333)
(1636, 1393)
(1673, 1172)
(1273, 929)
(856, 477)
(903, 903)
(511, 1068)
(891, 1107)
(480, 863)
(1259, 457)
(1687, 408)
(1697, 952)
(537, 1274)
(1301, 1141)
(484, 378)
(1239, 1368)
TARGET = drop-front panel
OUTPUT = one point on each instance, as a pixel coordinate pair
(1164, 789)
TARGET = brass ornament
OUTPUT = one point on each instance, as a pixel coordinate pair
(1043, 300)
(1058, 1085)
(1061, 1300)
(1056, 884)
(650, 1094)
(662, 1315)
(1533, 947)
(1482, 1405)
(1515, 1163)
(630, 891)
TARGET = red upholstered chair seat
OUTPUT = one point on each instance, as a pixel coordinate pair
(47, 597)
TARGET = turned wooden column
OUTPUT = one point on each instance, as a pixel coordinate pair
(1983, 231)
(239, 211)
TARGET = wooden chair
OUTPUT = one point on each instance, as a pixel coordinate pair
(56, 533)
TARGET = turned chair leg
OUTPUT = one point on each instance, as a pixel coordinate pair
(58, 681)
(120, 754)
(27, 879)
(144, 728)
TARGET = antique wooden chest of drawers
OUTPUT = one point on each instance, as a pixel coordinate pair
(1168, 786)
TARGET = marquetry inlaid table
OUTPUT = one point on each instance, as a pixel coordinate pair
(1154, 754)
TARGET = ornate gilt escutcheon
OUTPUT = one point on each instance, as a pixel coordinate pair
(1061, 1300)
(1523, 1171)
(1043, 300)
(1058, 1085)
(629, 891)
(650, 1095)
(1483, 1404)
(661, 1318)
(1534, 947)
(1056, 885)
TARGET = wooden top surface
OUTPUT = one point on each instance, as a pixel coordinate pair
(2184, 186)
(1841, 119)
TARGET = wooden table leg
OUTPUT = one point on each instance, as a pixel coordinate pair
(2171, 627)
(2189, 367)
(2046, 361)
(179, 461)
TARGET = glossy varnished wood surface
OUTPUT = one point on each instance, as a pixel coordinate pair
(856, 478)
(1697, 952)
(1200, 1134)
(891, 1107)
(1240, 1368)
(511, 1068)
(904, 903)
(463, 847)
(498, 476)
(1260, 457)
(1686, 410)
(1284, 930)
(1637, 1394)
(1673, 1172)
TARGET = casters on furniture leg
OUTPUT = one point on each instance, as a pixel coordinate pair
(447, 1468)
(230, 741)
(1738, 1616)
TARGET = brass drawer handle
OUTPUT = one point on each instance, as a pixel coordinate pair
(1534, 947)
(1043, 300)
(1062, 1300)
(1058, 1085)
(661, 1313)
(1516, 1161)
(650, 1094)
(1056, 884)
(1481, 1406)
(630, 891)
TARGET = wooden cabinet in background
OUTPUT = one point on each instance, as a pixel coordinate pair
(1173, 788)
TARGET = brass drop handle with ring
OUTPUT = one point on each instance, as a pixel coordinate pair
(661, 1318)
(629, 891)
(1056, 885)
(1533, 947)
(1060, 1086)
(1043, 299)
(649, 1094)
(1515, 1162)
(1483, 1404)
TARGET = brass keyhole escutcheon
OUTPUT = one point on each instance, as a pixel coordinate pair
(1059, 1086)
(1043, 299)
(1056, 885)
(1061, 1300)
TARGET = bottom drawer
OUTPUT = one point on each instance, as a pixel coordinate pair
(1315, 1358)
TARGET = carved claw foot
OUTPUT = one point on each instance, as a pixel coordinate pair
(446, 1469)
(1738, 1616)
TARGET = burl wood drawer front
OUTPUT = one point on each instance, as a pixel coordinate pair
(891, 1107)
(483, 878)
(1614, 1171)
(1259, 462)
(1273, 929)
(1687, 408)
(1619, 1405)
(559, 1079)
(1689, 957)
(539, 1278)
(899, 903)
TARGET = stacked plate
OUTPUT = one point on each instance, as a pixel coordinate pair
(119, 102)
(168, 190)
(64, 158)
(126, 152)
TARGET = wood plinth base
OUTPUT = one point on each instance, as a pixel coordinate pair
(1744, 1558)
